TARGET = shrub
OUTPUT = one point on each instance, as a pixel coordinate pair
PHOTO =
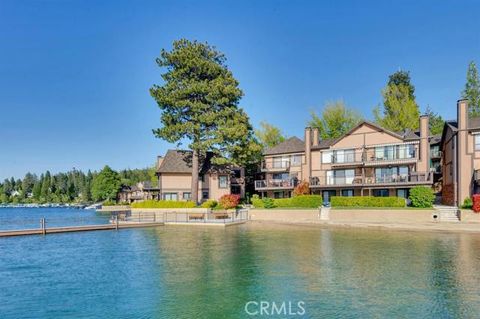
(367, 201)
(108, 203)
(268, 202)
(467, 203)
(163, 204)
(256, 201)
(476, 203)
(421, 196)
(303, 188)
(229, 201)
(211, 203)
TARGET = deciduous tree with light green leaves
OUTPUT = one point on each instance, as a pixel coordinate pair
(269, 135)
(435, 122)
(400, 111)
(472, 90)
(106, 184)
(335, 120)
(199, 103)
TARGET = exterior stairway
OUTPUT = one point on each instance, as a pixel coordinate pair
(447, 213)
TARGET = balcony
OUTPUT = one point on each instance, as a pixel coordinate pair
(373, 158)
(282, 166)
(352, 181)
(274, 184)
(347, 159)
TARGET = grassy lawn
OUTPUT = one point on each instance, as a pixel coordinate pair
(383, 208)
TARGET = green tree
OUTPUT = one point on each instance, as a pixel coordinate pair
(269, 135)
(199, 102)
(472, 90)
(336, 119)
(435, 122)
(400, 111)
(402, 78)
(106, 185)
(46, 187)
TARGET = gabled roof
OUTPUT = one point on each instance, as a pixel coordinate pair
(180, 161)
(472, 124)
(290, 145)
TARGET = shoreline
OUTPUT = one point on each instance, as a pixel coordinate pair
(470, 228)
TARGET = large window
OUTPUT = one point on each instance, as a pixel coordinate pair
(391, 174)
(338, 156)
(187, 195)
(380, 192)
(222, 181)
(340, 177)
(281, 176)
(403, 193)
(296, 160)
(347, 192)
(205, 195)
(281, 161)
(477, 142)
(170, 196)
(392, 152)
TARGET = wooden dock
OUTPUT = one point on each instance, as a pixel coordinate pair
(70, 229)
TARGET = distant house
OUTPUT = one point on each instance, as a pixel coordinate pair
(174, 173)
(140, 191)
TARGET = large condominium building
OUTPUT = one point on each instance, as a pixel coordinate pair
(460, 147)
(367, 161)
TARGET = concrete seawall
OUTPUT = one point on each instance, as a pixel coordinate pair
(345, 215)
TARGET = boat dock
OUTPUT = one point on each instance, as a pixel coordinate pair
(71, 229)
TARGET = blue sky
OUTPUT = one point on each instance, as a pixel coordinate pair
(74, 75)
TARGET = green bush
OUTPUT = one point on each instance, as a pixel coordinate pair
(303, 201)
(109, 203)
(467, 203)
(211, 203)
(367, 201)
(163, 204)
(268, 202)
(256, 201)
(422, 196)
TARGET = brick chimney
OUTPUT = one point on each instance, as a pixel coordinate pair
(308, 155)
(464, 159)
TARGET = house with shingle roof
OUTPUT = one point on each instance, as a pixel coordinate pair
(174, 172)
(367, 160)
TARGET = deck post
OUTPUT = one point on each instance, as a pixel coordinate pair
(42, 223)
(116, 222)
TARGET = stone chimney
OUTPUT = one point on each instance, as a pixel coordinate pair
(308, 155)
(315, 137)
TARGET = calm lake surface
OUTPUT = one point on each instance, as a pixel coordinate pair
(201, 272)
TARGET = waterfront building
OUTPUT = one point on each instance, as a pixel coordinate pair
(141, 191)
(369, 160)
(174, 173)
(460, 146)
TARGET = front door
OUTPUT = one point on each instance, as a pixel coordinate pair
(327, 195)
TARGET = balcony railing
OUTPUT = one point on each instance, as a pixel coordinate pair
(412, 178)
(344, 158)
(275, 183)
(275, 166)
(390, 156)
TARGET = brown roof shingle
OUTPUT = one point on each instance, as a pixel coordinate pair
(291, 145)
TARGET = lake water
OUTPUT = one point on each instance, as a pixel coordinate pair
(210, 272)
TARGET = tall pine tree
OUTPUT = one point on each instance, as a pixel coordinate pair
(472, 90)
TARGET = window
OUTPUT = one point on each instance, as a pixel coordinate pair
(296, 160)
(327, 157)
(477, 142)
(344, 156)
(187, 195)
(281, 176)
(170, 196)
(235, 189)
(380, 192)
(205, 195)
(339, 177)
(403, 193)
(347, 192)
(237, 173)
(222, 181)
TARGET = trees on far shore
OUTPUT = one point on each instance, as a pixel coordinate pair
(335, 120)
